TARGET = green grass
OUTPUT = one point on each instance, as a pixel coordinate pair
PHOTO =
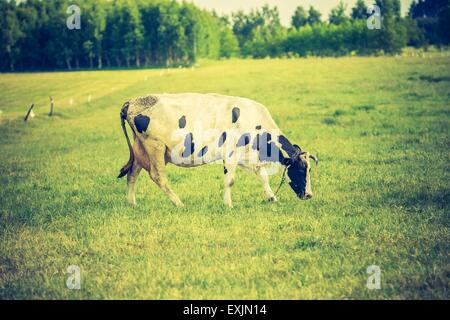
(380, 127)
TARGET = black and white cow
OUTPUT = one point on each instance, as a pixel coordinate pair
(193, 129)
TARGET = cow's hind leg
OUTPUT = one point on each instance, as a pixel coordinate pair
(229, 171)
(261, 172)
(156, 154)
(131, 182)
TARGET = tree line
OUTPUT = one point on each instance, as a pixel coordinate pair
(125, 33)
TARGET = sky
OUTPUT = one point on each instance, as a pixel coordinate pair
(286, 7)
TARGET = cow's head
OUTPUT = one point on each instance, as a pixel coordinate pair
(299, 172)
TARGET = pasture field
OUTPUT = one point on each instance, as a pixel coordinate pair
(379, 125)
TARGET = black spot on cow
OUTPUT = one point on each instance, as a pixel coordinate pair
(270, 152)
(225, 170)
(231, 153)
(244, 140)
(235, 113)
(141, 123)
(256, 142)
(261, 140)
(182, 122)
(203, 151)
(266, 137)
(222, 139)
(267, 149)
(188, 145)
(258, 127)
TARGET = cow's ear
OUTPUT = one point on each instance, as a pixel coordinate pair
(297, 152)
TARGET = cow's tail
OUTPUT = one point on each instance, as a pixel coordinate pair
(127, 167)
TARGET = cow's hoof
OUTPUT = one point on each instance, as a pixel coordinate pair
(273, 200)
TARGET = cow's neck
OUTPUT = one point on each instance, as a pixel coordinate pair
(288, 148)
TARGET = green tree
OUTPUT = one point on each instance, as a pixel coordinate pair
(359, 11)
(208, 44)
(10, 33)
(432, 17)
(52, 27)
(89, 50)
(444, 25)
(259, 32)
(150, 15)
(34, 34)
(338, 14)
(229, 45)
(415, 35)
(30, 50)
(300, 18)
(243, 26)
(132, 32)
(314, 16)
(94, 24)
(393, 34)
(170, 32)
(124, 33)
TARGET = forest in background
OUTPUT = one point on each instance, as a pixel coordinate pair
(143, 33)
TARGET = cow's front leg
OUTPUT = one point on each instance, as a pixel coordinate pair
(229, 171)
(131, 182)
(261, 172)
(156, 154)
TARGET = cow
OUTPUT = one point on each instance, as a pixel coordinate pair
(192, 129)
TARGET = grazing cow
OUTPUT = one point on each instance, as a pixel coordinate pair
(193, 129)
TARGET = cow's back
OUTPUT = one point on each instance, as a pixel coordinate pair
(212, 110)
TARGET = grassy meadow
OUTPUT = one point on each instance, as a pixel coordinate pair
(379, 125)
